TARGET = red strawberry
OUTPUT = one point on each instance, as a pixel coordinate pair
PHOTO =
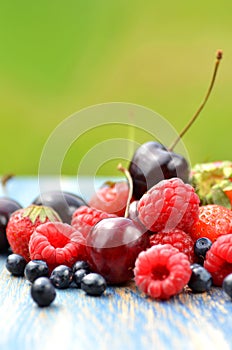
(214, 221)
(22, 224)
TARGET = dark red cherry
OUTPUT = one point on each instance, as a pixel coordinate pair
(7, 207)
(133, 215)
(63, 203)
(151, 163)
(133, 212)
(112, 247)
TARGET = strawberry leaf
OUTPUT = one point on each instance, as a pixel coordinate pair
(219, 197)
(41, 212)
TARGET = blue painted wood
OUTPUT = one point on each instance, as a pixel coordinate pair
(121, 319)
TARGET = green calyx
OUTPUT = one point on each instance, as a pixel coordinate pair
(42, 213)
(211, 181)
(218, 196)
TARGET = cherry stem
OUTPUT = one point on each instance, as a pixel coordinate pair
(4, 180)
(130, 182)
(192, 120)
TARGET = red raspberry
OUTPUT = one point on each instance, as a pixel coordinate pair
(84, 218)
(214, 221)
(168, 205)
(162, 271)
(111, 198)
(57, 244)
(219, 259)
(178, 239)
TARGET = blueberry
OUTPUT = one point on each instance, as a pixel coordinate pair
(79, 265)
(61, 276)
(42, 291)
(201, 246)
(227, 285)
(78, 276)
(93, 284)
(200, 280)
(195, 265)
(35, 269)
(15, 264)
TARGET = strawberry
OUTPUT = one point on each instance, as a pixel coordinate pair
(214, 221)
(22, 224)
(213, 183)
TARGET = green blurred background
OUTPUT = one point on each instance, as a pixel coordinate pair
(58, 57)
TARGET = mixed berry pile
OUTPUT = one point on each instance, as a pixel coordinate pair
(168, 242)
(167, 227)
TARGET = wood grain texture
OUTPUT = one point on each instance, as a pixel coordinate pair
(122, 318)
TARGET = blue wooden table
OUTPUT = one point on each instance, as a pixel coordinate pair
(122, 318)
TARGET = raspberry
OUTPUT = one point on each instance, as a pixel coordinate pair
(56, 244)
(84, 218)
(214, 221)
(168, 205)
(162, 271)
(111, 198)
(219, 259)
(178, 239)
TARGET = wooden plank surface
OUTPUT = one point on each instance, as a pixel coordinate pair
(121, 319)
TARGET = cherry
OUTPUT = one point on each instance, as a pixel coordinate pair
(7, 207)
(133, 212)
(153, 162)
(111, 198)
(63, 203)
(113, 244)
(133, 215)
